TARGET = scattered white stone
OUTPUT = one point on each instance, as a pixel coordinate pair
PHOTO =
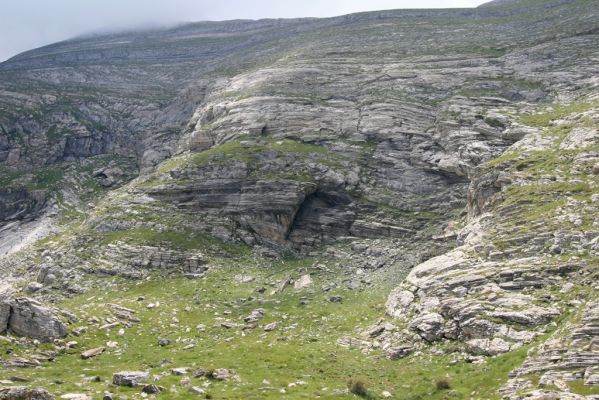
(271, 327)
(304, 282)
(75, 396)
(197, 390)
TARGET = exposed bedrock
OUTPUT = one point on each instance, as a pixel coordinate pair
(20, 203)
(86, 146)
(530, 241)
(571, 354)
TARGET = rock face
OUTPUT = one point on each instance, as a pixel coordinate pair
(294, 152)
(29, 318)
(266, 207)
(516, 269)
(4, 315)
(19, 203)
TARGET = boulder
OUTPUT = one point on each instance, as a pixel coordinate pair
(197, 390)
(92, 353)
(129, 378)
(222, 374)
(254, 316)
(24, 393)
(395, 353)
(179, 371)
(283, 284)
(151, 389)
(75, 396)
(29, 318)
(302, 283)
(271, 327)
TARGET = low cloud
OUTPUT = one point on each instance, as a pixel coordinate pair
(28, 24)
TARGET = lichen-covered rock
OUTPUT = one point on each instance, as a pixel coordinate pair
(31, 319)
(429, 326)
(570, 354)
(24, 393)
(488, 347)
(398, 302)
(130, 378)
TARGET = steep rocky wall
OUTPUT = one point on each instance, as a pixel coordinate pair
(20, 203)
(527, 258)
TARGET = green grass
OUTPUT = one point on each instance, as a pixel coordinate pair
(184, 240)
(558, 111)
(547, 178)
(303, 348)
(53, 135)
(42, 178)
(263, 157)
(580, 388)
(243, 149)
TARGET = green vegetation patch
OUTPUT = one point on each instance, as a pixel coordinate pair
(185, 240)
(248, 151)
(40, 178)
(299, 359)
(558, 111)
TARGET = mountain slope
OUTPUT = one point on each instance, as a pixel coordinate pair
(448, 157)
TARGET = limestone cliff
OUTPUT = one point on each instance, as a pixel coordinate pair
(460, 146)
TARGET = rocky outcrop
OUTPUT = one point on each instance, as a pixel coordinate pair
(492, 291)
(27, 317)
(265, 207)
(136, 261)
(4, 315)
(130, 378)
(20, 203)
(77, 147)
(571, 354)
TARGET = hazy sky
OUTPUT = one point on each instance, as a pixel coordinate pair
(27, 24)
